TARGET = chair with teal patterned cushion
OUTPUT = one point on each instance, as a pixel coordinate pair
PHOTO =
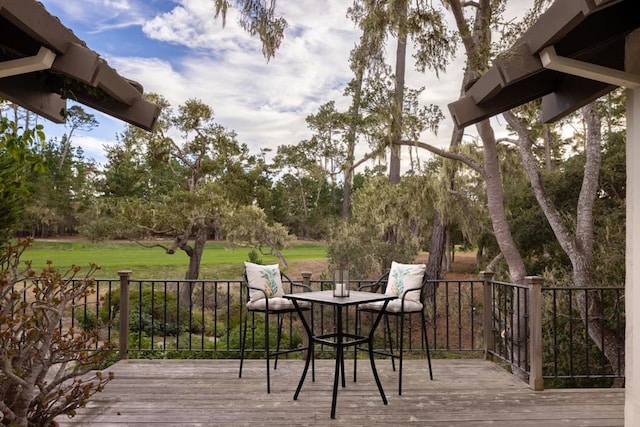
(407, 282)
(265, 286)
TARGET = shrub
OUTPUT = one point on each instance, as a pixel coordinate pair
(156, 313)
(255, 333)
(86, 319)
(254, 257)
(33, 343)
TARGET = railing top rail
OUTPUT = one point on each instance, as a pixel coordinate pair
(186, 280)
(582, 288)
(455, 281)
(513, 285)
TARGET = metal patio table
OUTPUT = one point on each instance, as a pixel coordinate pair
(339, 339)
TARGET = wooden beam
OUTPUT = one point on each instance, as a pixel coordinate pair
(33, 19)
(41, 61)
(79, 62)
(115, 85)
(28, 26)
(587, 70)
(571, 94)
(140, 113)
(27, 91)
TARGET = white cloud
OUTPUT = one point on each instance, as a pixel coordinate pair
(93, 147)
(92, 11)
(265, 102)
(191, 55)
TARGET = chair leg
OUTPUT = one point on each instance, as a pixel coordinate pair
(426, 343)
(389, 339)
(275, 362)
(400, 350)
(355, 347)
(243, 339)
(267, 350)
(313, 354)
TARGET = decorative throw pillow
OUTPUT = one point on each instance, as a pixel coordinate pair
(404, 277)
(265, 277)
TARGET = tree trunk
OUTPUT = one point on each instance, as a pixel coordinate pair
(593, 317)
(495, 201)
(351, 143)
(193, 272)
(436, 248)
(396, 120)
(504, 238)
(578, 246)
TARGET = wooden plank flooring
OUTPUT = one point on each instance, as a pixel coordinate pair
(463, 393)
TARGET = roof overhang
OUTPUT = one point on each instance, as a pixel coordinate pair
(43, 63)
(571, 56)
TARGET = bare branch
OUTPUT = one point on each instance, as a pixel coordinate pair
(448, 154)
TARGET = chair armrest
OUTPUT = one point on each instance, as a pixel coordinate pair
(381, 283)
(305, 287)
(253, 288)
(404, 296)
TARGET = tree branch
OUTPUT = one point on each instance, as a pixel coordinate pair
(448, 154)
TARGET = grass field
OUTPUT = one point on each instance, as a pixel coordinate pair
(218, 262)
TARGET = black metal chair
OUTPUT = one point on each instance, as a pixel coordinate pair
(265, 286)
(409, 301)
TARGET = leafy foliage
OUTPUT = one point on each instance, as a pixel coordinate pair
(18, 160)
(154, 311)
(378, 207)
(42, 365)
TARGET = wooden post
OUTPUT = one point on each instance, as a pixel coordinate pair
(536, 381)
(632, 282)
(123, 346)
(487, 313)
(306, 279)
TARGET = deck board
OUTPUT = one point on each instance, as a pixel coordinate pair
(463, 393)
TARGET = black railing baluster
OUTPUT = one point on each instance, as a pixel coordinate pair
(570, 332)
(586, 331)
(472, 315)
(571, 354)
(153, 307)
(554, 323)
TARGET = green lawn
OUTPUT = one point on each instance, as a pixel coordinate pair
(218, 262)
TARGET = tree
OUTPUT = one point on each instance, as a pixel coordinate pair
(579, 244)
(182, 181)
(60, 192)
(257, 17)
(78, 120)
(191, 207)
(379, 206)
(248, 226)
(18, 160)
(367, 56)
(578, 247)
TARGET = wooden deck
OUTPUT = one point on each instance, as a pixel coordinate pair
(463, 393)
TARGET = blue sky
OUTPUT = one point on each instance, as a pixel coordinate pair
(176, 48)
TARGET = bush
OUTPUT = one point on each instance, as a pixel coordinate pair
(158, 313)
(254, 257)
(37, 380)
(86, 319)
(255, 333)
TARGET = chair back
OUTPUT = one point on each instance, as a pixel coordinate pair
(427, 290)
(287, 284)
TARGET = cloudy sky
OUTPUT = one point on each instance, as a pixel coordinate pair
(177, 48)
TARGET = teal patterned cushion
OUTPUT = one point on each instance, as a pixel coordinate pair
(265, 277)
(404, 277)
